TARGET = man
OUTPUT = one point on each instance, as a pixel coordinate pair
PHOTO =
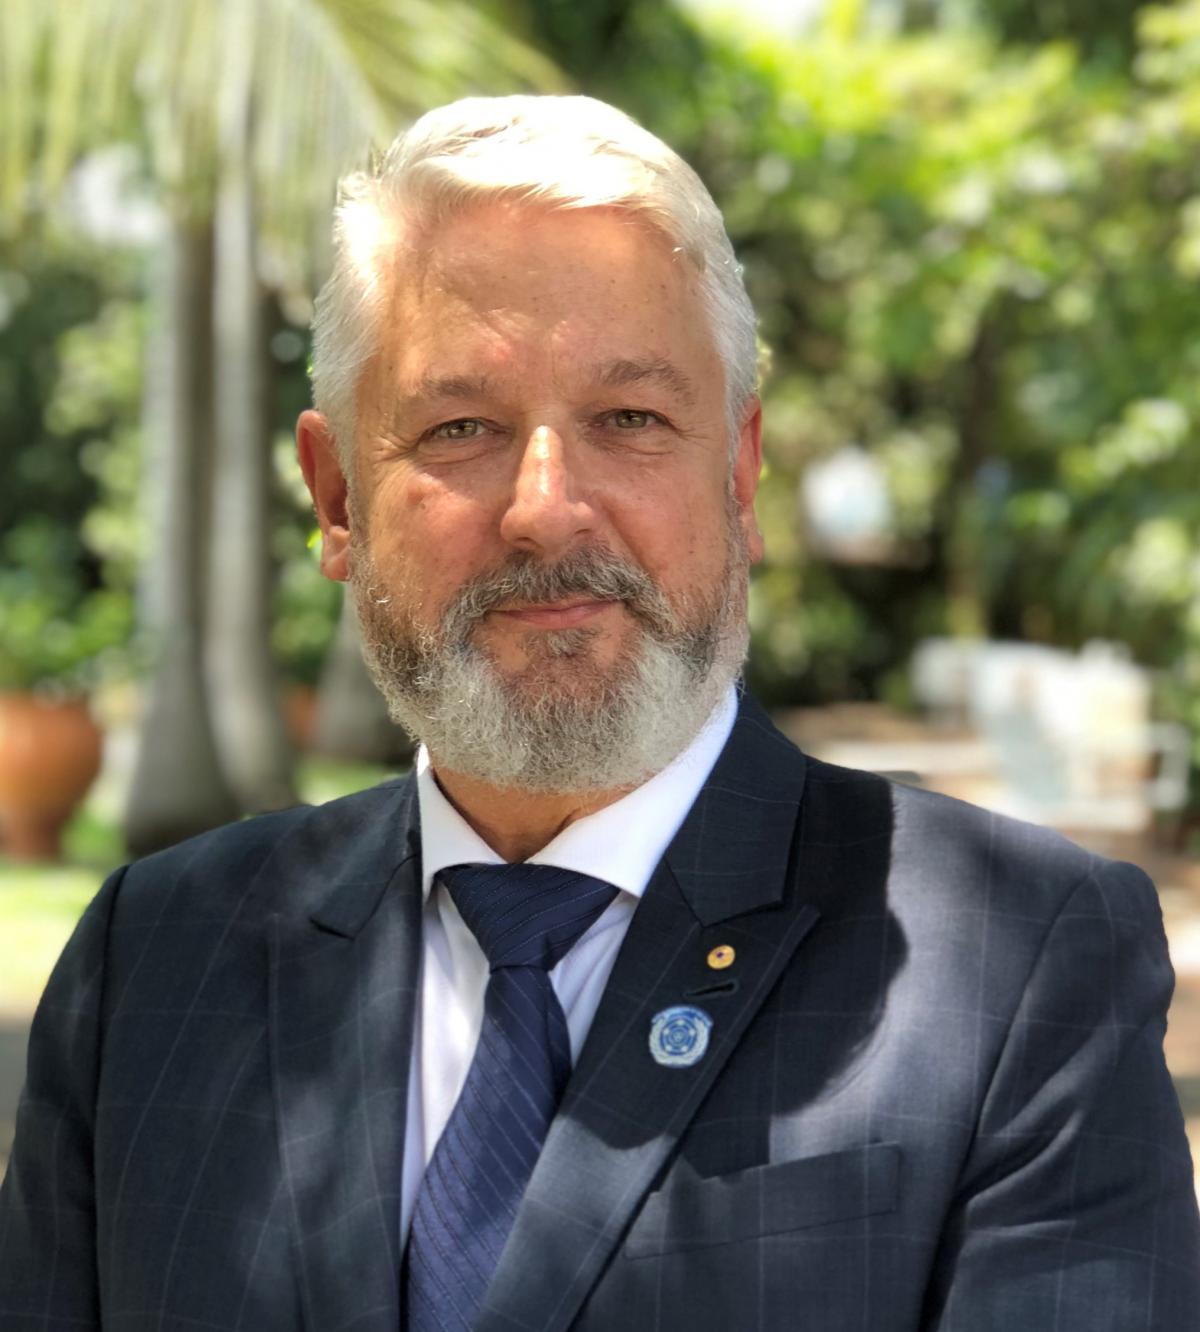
(620, 1012)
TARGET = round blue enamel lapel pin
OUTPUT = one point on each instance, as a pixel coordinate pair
(679, 1036)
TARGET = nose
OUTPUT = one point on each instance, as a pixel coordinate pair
(548, 511)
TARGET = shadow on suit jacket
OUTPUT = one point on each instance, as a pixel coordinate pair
(934, 1096)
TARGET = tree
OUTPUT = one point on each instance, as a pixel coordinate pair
(179, 784)
(247, 714)
(246, 112)
(976, 261)
(68, 379)
(352, 718)
(1103, 29)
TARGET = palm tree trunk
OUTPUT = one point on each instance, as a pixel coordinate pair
(247, 711)
(352, 719)
(178, 788)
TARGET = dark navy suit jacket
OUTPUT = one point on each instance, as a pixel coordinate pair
(934, 1096)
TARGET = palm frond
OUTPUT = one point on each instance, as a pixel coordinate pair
(331, 81)
(20, 46)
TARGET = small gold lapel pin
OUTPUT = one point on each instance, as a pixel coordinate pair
(721, 957)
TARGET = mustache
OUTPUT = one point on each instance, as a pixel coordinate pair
(591, 571)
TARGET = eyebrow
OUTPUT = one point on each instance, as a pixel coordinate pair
(617, 374)
(451, 386)
(611, 374)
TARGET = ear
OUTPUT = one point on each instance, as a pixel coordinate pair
(747, 464)
(326, 481)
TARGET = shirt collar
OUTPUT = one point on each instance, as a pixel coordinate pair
(620, 844)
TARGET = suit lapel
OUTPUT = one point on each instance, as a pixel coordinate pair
(344, 976)
(723, 881)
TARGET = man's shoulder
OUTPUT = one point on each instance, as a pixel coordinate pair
(867, 843)
(943, 849)
(918, 816)
(262, 863)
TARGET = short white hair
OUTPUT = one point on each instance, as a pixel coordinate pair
(558, 152)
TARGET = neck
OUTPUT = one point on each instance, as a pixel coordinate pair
(514, 823)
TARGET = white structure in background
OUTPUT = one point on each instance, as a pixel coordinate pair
(847, 505)
(1069, 734)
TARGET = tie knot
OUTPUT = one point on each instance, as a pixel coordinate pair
(526, 915)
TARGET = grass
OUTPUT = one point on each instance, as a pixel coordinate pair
(40, 904)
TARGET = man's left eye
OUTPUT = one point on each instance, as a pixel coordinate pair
(467, 428)
(630, 419)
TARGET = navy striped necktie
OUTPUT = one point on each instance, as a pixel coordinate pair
(525, 917)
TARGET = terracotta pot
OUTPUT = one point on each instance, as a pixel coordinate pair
(49, 756)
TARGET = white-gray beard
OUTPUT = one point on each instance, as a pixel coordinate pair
(599, 731)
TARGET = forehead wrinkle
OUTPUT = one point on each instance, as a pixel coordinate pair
(617, 374)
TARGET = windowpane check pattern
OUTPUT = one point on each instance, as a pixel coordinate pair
(526, 918)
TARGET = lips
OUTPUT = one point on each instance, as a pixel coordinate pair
(558, 615)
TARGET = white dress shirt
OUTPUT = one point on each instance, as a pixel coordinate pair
(620, 844)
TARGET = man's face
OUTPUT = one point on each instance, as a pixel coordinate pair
(546, 403)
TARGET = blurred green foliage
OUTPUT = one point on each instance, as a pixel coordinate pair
(975, 248)
(977, 260)
(70, 353)
(72, 530)
(1103, 30)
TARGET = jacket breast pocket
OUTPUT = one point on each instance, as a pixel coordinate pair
(693, 1212)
